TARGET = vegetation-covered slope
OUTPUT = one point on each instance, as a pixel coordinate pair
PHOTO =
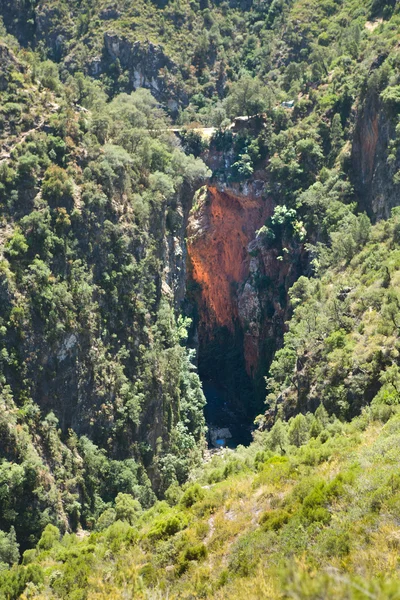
(90, 346)
(101, 406)
(285, 518)
(302, 512)
(343, 340)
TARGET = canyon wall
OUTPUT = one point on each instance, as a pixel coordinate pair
(220, 228)
(240, 286)
(375, 160)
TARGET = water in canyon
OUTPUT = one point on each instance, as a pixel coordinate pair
(226, 428)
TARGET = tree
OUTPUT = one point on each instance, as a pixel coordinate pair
(278, 436)
(391, 378)
(243, 168)
(298, 430)
(50, 536)
(106, 519)
(9, 548)
(16, 246)
(352, 236)
(391, 97)
(127, 508)
(57, 186)
(246, 97)
(336, 135)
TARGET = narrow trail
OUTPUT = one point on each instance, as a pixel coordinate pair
(206, 132)
(7, 153)
(6, 149)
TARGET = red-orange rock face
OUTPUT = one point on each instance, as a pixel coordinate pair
(220, 228)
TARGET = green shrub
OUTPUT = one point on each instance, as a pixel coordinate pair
(193, 553)
(9, 548)
(193, 494)
(127, 508)
(166, 527)
(106, 519)
(14, 581)
(73, 583)
(274, 520)
(337, 543)
(28, 556)
(57, 187)
(16, 246)
(50, 536)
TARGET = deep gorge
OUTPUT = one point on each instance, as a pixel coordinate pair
(199, 247)
(237, 294)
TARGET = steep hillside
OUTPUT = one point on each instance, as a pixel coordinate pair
(342, 345)
(199, 195)
(91, 241)
(302, 511)
(309, 511)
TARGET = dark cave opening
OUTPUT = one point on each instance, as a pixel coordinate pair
(230, 393)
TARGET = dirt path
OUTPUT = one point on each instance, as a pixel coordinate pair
(7, 153)
(205, 132)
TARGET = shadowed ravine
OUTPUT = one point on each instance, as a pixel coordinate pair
(220, 417)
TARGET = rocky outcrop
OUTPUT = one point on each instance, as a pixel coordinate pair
(55, 25)
(219, 230)
(219, 436)
(146, 65)
(8, 62)
(174, 255)
(372, 171)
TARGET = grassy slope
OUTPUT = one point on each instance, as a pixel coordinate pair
(306, 525)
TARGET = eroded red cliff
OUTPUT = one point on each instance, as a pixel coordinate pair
(219, 231)
(242, 282)
(221, 226)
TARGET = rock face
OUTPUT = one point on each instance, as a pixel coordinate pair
(241, 283)
(146, 64)
(219, 436)
(219, 231)
(174, 255)
(372, 172)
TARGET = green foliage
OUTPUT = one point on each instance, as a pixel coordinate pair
(9, 548)
(391, 97)
(347, 315)
(298, 430)
(57, 187)
(193, 494)
(274, 520)
(106, 519)
(98, 392)
(16, 246)
(166, 527)
(127, 508)
(89, 342)
(246, 97)
(192, 553)
(49, 537)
